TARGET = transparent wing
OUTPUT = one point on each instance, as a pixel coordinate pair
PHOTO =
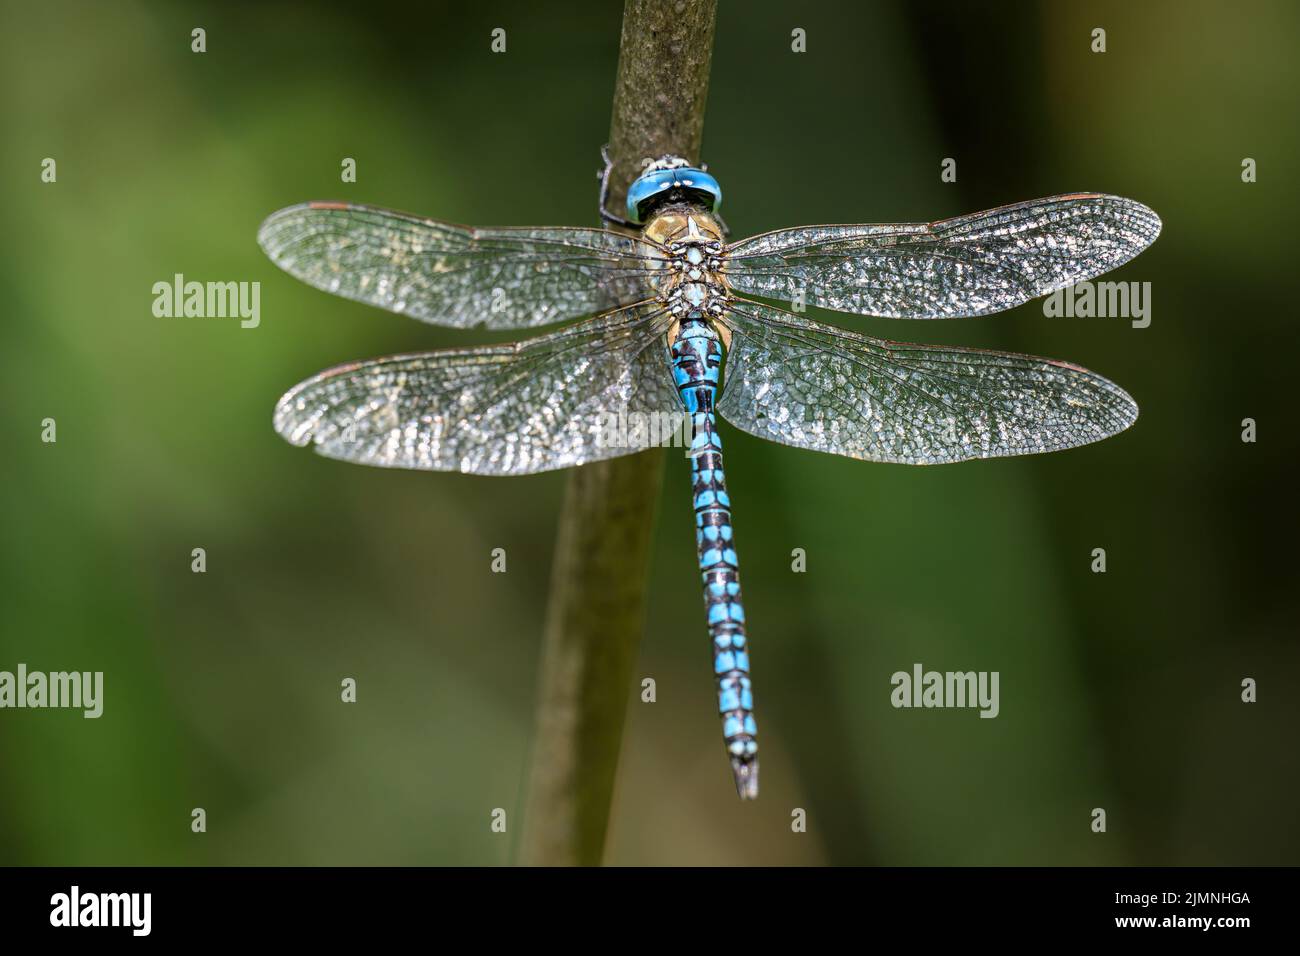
(970, 265)
(454, 275)
(814, 386)
(536, 405)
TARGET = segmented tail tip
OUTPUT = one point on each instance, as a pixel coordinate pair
(746, 773)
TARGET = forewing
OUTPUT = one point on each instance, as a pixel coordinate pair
(814, 386)
(537, 405)
(455, 275)
(971, 265)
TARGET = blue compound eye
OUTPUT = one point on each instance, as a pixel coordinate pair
(662, 185)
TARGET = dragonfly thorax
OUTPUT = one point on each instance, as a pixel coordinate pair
(692, 284)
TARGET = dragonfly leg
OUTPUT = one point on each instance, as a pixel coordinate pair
(603, 176)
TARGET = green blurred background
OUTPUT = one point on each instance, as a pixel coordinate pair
(1118, 690)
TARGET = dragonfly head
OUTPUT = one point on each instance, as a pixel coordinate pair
(671, 179)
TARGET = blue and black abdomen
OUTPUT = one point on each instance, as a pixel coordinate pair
(696, 361)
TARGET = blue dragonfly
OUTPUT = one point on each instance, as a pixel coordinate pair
(669, 326)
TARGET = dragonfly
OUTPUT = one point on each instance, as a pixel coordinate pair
(673, 322)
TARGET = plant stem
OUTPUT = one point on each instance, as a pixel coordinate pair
(602, 552)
